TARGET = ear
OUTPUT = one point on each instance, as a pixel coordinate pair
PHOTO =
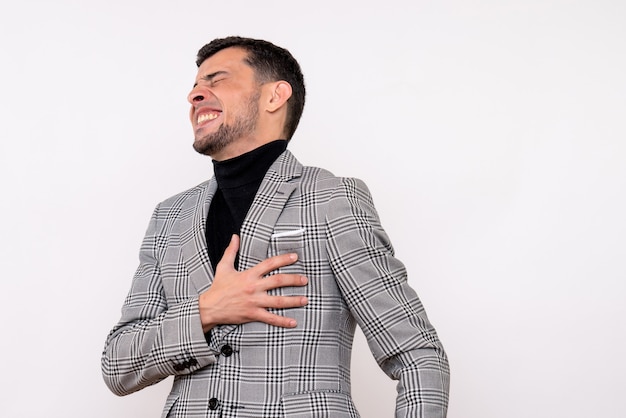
(279, 92)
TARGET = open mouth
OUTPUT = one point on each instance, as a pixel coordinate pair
(204, 117)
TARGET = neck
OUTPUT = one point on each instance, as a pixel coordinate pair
(248, 167)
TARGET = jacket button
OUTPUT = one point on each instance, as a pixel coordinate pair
(227, 350)
(213, 404)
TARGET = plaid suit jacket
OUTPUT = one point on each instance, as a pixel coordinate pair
(256, 370)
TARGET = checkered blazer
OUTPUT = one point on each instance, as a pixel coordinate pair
(257, 370)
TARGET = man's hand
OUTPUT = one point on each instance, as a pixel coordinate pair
(238, 297)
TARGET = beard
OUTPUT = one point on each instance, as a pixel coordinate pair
(244, 124)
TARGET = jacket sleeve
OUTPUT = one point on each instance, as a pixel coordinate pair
(153, 340)
(374, 285)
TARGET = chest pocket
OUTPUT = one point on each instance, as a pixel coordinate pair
(289, 241)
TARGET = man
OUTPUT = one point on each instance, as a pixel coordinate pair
(250, 285)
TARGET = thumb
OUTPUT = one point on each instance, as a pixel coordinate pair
(228, 259)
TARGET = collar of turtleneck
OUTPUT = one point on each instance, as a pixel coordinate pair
(249, 167)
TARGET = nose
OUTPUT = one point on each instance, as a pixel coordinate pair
(196, 95)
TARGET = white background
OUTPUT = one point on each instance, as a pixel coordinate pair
(491, 133)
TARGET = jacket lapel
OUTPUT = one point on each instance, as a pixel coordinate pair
(274, 192)
(275, 189)
(191, 229)
(279, 183)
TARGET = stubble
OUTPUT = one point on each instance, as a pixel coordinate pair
(226, 134)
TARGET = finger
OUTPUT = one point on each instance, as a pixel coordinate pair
(285, 302)
(273, 263)
(277, 320)
(230, 253)
(283, 280)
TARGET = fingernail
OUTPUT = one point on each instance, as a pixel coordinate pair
(293, 256)
(304, 280)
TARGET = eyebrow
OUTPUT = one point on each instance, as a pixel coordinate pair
(210, 77)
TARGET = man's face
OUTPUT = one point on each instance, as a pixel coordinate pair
(224, 104)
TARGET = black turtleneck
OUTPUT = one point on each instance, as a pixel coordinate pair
(238, 180)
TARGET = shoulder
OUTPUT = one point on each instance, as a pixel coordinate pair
(320, 178)
(316, 177)
(185, 199)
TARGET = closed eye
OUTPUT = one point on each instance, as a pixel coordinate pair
(213, 77)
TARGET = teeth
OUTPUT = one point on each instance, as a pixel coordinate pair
(206, 116)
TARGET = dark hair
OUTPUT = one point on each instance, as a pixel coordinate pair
(270, 63)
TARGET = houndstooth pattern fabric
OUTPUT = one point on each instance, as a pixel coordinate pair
(256, 370)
